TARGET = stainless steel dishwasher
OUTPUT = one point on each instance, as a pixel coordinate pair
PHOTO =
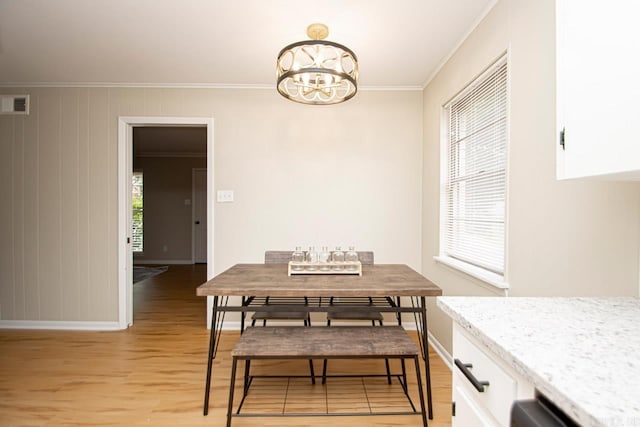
(539, 412)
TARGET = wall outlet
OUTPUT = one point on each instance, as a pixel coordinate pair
(225, 196)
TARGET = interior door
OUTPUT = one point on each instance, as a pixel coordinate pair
(199, 226)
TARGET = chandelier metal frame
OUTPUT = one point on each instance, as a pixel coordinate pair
(317, 72)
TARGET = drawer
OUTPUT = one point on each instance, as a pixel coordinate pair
(502, 390)
(468, 413)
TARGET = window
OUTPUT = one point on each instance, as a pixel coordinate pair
(137, 239)
(474, 176)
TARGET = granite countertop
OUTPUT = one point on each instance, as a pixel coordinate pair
(582, 353)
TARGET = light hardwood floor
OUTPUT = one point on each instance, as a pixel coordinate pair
(153, 373)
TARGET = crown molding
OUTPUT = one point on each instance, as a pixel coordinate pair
(138, 85)
(182, 86)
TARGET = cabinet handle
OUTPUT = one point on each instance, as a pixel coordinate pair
(562, 138)
(464, 367)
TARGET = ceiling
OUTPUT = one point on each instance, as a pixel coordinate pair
(399, 43)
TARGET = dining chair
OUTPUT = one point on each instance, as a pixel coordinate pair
(366, 314)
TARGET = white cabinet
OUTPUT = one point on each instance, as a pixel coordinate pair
(598, 89)
(468, 413)
(488, 402)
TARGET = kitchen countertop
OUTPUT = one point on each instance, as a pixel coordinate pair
(582, 353)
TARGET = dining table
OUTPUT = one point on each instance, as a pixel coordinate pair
(393, 288)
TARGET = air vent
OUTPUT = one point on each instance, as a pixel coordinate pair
(14, 104)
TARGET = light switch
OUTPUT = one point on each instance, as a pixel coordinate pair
(225, 196)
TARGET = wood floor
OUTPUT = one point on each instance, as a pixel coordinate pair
(153, 373)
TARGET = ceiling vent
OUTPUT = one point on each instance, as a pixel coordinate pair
(14, 104)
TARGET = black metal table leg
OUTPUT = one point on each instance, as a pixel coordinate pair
(424, 418)
(232, 385)
(243, 314)
(425, 342)
(212, 345)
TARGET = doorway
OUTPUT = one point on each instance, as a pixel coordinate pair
(126, 127)
(165, 156)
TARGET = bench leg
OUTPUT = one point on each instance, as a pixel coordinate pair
(312, 372)
(404, 377)
(232, 385)
(324, 371)
(386, 363)
(247, 378)
(420, 392)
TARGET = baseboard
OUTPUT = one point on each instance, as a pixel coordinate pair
(442, 352)
(59, 325)
(162, 261)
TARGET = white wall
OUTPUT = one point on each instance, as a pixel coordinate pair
(302, 175)
(564, 237)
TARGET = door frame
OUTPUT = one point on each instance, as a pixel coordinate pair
(193, 211)
(125, 169)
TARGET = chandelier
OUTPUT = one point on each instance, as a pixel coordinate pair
(316, 71)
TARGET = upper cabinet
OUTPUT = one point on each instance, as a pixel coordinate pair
(598, 89)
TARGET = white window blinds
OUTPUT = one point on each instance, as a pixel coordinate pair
(473, 191)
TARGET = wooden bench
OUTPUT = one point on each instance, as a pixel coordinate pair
(336, 342)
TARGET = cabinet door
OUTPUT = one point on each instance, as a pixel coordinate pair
(468, 414)
(502, 389)
(598, 88)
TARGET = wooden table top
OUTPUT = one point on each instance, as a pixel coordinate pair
(261, 280)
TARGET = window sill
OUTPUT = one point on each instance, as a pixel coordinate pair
(492, 279)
